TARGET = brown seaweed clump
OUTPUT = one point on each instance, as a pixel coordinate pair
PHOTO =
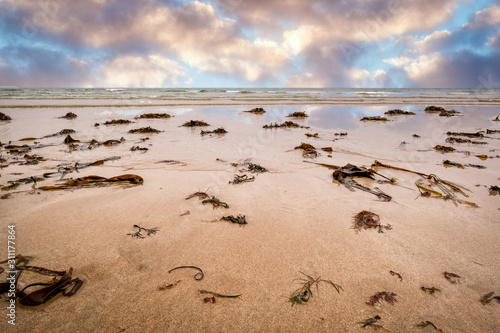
(434, 109)
(375, 118)
(304, 293)
(96, 181)
(219, 130)
(148, 129)
(301, 114)
(308, 150)
(287, 124)
(69, 140)
(240, 219)
(449, 164)
(469, 135)
(389, 297)
(368, 220)
(444, 149)
(398, 112)
(257, 111)
(153, 116)
(3, 116)
(494, 190)
(195, 123)
(309, 135)
(117, 122)
(69, 115)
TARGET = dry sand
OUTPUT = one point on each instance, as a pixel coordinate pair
(298, 221)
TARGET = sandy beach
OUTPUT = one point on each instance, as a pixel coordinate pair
(299, 220)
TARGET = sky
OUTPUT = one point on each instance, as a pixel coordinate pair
(250, 43)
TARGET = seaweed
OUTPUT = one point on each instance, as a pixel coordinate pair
(398, 112)
(200, 195)
(429, 290)
(153, 116)
(488, 131)
(426, 323)
(69, 140)
(327, 149)
(69, 115)
(240, 219)
(469, 135)
(255, 168)
(452, 277)
(434, 109)
(308, 150)
(389, 297)
(301, 114)
(216, 203)
(117, 122)
(344, 175)
(494, 190)
(341, 134)
(33, 159)
(3, 116)
(460, 140)
(195, 123)
(134, 148)
(96, 181)
(375, 118)
(371, 322)
(444, 149)
(497, 118)
(396, 274)
(168, 286)
(309, 135)
(416, 136)
(216, 131)
(138, 234)
(241, 179)
(198, 276)
(368, 220)
(449, 164)
(62, 132)
(287, 124)
(448, 113)
(148, 129)
(256, 111)
(304, 293)
(488, 298)
(218, 295)
(477, 166)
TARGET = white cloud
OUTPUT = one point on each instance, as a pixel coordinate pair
(398, 61)
(485, 17)
(307, 80)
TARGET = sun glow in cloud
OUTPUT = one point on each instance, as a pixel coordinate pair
(295, 43)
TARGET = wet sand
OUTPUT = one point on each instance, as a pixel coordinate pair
(298, 221)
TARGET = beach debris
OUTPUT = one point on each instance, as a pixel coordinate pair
(218, 295)
(488, 131)
(308, 150)
(449, 164)
(3, 116)
(327, 149)
(389, 297)
(304, 293)
(148, 129)
(138, 234)
(452, 277)
(215, 131)
(426, 323)
(301, 114)
(341, 134)
(153, 116)
(69, 140)
(434, 109)
(375, 118)
(64, 169)
(477, 166)
(309, 135)
(255, 168)
(444, 149)
(216, 203)
(429, 290)
(5, 196)
(398, 112)
(240, 219)
(62, 282)
(489, 297)
(97, 124)
(69, 115)
(449, 113)
(344, 175)
(494, 190)
(12, 186)
(172, 162)
(117, 122)
(484, 157)
(371, 322)
(460, 140)
(195, 123)
(209, 300)
(256, 111)
(368, 220)
(238, 179)
(469, 134)
(416, 136)
(28, 139)
(287, 124)
(96, 181)
(396, 274)
(187, 212)
(168, 286)
(200, 195)
(62, 132)
(198, 276)
(497, 118)
(134, 148)
(33, 159)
